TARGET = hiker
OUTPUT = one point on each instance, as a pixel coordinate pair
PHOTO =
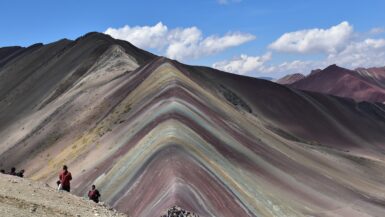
(20, 173)
(13, 171)
(65, 178)
(94, 194)
(2, 171)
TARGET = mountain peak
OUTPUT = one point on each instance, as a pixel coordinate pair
(290, 78)
(361, 84)
(95, 36)
(333, 67)
(315, 71)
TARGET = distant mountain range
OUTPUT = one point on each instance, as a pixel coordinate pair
(360, 84)
(290, 78)
(266, 78)
(152, 133)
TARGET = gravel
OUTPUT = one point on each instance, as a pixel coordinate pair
(20, 197)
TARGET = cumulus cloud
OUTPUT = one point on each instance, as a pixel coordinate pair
(178, 43)
(244, 64)
(253, 65)
(141, 36)
(337, 45)
(363, 53)
(189, 43)
(314, 40)
(366, 53)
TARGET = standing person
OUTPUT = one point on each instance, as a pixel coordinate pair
(13, 171)
(65, 178)
(94, 194)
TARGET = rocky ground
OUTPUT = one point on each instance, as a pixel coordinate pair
(23, 197)
(179, 212)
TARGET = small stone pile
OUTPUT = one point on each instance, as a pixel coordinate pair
(176, 211)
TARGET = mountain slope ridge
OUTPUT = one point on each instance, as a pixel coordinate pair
(360, 84)
(24, 197)
(165, 134)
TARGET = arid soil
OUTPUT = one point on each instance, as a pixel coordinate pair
(22, 197)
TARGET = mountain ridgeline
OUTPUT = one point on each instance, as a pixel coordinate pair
(152, 133)
(361, 84)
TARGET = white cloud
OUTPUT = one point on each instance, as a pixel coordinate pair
(142, 36)
(184, 46)
(254, 65)
(178, 43)
(366, 53)
(336, 43)
(314, 40)
(244, 64)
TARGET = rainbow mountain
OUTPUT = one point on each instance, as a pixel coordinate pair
(152, 133)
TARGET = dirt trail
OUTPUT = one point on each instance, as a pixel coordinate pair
(23, 197)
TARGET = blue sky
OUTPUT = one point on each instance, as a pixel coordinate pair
(240, 32)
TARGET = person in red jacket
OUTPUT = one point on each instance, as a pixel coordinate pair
(94, 194)
(65, 178)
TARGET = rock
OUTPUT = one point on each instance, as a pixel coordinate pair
(33, 209)
(176, 211)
